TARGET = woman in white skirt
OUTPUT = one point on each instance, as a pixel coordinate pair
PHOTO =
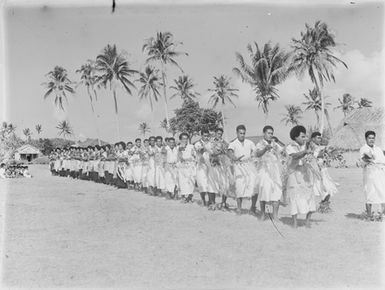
(144, 157)
(374, 173)
(136, 164)
(299, 186)
(151, 166)
(159, 159)
(186, 168)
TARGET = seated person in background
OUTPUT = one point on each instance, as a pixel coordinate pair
(26, 173)
(2, 170)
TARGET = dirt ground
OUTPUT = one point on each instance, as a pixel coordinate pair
(69, 233)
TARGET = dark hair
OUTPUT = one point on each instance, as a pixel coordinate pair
(368, 133)
(315, 134)
(268, 127)
(219, 130)
(240, 127)
(129, 142)
(108, 146)
(205, 131)
(296, 131)
(90, 147)
(183, 134)
(123, 145)
(171, 139)
(145, 140)
(166, 139)
(159, 138)
(2, 164)
(151, 137)
(97, 147)
(138, 139)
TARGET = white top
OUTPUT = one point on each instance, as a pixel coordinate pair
(294, 147)
(247, 149)
(172, 155)
(374, 152)
(188, 154)
(2, 172)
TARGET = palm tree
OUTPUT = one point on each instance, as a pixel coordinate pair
(150, 84)
(38, 128)
(268, 69)
(162, 50)
(58, 84)
(346, 104)
(292, 115)
(169, 129)
(27, 133)
(184, 89)
(114, 70)
(89, 79)
(313, 102)
(144, 128)
(312, 54)
(364, 103)
(222, 93)
(65, 129)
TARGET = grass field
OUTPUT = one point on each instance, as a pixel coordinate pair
(69, 233)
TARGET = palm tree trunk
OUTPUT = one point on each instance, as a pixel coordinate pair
(317, 115)
(328, 120)
(116, 115)
(164, 94)
(223, 123)
(94, 115)
(322, 106)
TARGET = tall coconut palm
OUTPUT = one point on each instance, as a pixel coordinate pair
(144, 128)
(64, 128)
(364, 103)
(38, 129)
(267, 69)
(114, 70)
(292, 116)
(89, 79)
(314, 103)
(184, 88)
(150, 84)
(58, 85)
(312, 54)
(346, 104)
(27, 133)
(222, 94)
(161, 49)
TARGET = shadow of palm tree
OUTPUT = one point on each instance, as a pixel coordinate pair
(355, 216)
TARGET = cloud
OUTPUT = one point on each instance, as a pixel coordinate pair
(144, 111)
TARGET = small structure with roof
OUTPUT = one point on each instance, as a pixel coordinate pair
(27, 153)
(350, 133)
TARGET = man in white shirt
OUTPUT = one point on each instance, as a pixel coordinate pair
(242, 152)
(171, 173)
(374, 173)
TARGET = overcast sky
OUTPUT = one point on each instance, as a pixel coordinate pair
(40, 37)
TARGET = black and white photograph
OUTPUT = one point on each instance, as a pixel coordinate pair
(209, 144)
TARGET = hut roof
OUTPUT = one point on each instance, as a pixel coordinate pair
(90, 142)
(28, 149)
(350, 133)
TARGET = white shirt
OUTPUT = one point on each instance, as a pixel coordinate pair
(172, 155)
(2, 172)
(374, 152)
(188, 154)
(247, 148)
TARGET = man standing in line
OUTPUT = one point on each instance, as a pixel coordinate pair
(242, 152)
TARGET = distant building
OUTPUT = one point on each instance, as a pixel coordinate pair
(27, 153)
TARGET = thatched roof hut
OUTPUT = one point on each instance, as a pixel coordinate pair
(350, 133)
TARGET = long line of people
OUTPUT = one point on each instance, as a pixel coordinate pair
(267, 171)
